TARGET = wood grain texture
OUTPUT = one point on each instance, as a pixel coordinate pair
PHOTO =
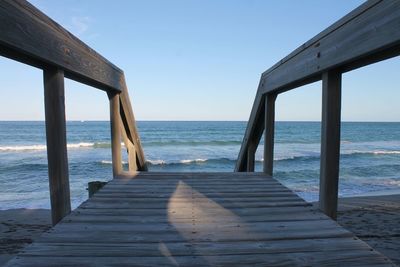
(129, 123)
(29, 36)
(115, 134)
(56, 138)
(330, 142)
(251, 157)
(269, 133)
(188, 221)
(253, 131)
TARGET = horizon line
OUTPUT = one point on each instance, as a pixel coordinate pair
(197, 121)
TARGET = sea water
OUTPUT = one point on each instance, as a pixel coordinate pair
(369, 162)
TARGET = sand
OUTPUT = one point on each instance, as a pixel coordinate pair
(374, 219)
(19, 227)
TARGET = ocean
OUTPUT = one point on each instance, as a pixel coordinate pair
(370, 156)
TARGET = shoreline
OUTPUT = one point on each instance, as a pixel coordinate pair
(372, 218)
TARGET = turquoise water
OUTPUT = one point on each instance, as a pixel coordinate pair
(370, 156)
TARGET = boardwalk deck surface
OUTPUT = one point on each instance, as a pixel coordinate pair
(197, 219)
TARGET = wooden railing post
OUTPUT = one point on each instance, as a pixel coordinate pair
(251, 154)
(269, 133)
(130, 149)
(132, 158)
(54, 102)
(330, 142)
(115, 119)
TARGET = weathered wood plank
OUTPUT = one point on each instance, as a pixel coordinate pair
(160, 205)
(166, 195)
(183, 235)
(239, 211)
(56, 138)
(172, 182)
(330, 142)
(155, 174)
(217, 217)
(29, 36)
(171, 226)
(199, 201)
(181, 248)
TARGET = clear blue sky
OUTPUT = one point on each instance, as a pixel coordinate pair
(199, 60)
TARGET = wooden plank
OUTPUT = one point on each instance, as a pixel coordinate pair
(29, 36)
(198, 249)
(214, 185)
(136, 227)
(115, 134)
(171, 182)
(181, 232)
(240, 211)
(269, 133)
(299, 215)
(160, 205)
(219, 189)
(155, 174)
(330, 142)
(132, 178)
(167, 195)
(199, 201)
(56, 138)
(206, 193)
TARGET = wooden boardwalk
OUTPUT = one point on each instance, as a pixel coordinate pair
(197, 219)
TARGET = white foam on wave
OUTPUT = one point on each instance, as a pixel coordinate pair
(22, 148)
(42, 147)
(109, 162)
(374, 152)
(188, 161)
(183, 161)
(386, 152)
(157, 162)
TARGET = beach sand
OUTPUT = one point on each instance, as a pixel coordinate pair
(19, 227)
(374, 219)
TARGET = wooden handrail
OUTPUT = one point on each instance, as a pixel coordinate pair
(368, 34)
(29, 36)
